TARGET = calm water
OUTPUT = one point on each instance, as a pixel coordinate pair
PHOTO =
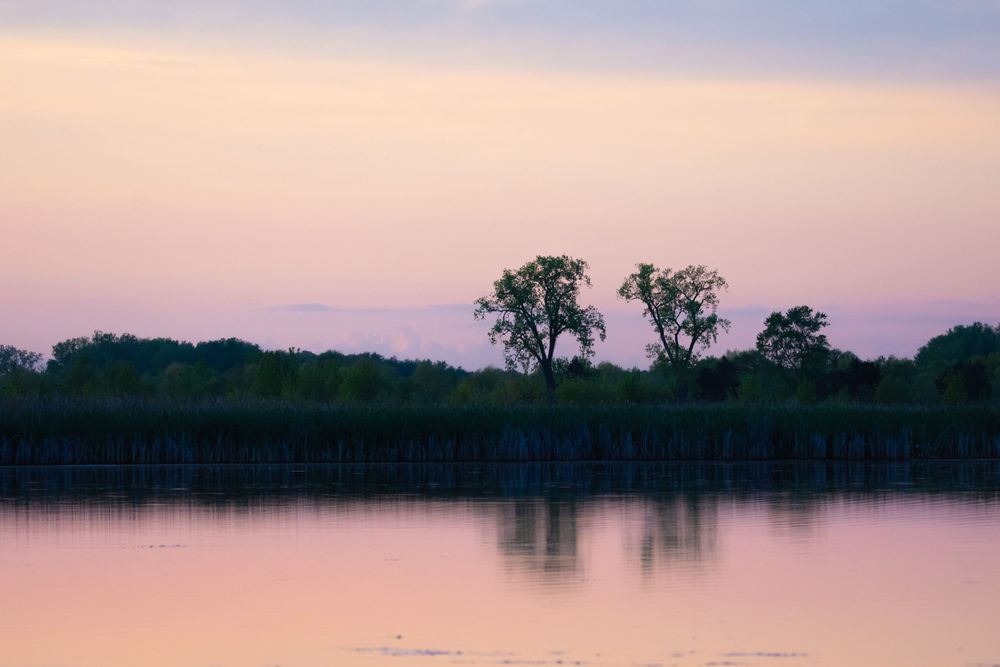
(532, 565)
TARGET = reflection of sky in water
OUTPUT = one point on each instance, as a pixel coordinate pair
(685, 565)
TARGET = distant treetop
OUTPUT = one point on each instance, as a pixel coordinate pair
(960, 343)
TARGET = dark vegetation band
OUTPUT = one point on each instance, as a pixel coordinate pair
(532, 309)
(75, 431)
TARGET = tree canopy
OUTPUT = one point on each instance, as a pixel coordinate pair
(792, 339)
(681, 306)
(960, 343)
(535, 305)
(13, 359)
(108, 365)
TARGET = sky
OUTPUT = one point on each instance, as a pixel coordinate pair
(352, 175)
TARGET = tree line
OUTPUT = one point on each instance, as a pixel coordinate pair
(539, 302)
(532, 309)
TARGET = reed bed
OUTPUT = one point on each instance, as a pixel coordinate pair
(65, 431)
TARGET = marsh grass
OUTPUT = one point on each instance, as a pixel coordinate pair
(74, 431)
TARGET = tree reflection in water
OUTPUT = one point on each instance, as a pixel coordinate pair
(540, 536)
(663, 515)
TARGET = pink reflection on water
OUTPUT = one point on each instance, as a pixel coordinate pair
(681, 579)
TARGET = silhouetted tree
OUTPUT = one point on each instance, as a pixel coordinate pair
(121, 378)
(319, 379)
(364, 381)
(112, 365)
(792, 340)
(275, 372)
(717, 380)
(960, 343)
(897, 382)
(431, 382)
(19, 372)
(964, 381)
(534, 306)
(225, 354)
(13, 360)
(862, 378)
(578, 367)
(185, 382)
(681, 306)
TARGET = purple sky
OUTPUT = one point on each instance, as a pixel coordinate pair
(172, 170)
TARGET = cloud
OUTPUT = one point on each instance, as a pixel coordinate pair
(453, 308)
(303, 308)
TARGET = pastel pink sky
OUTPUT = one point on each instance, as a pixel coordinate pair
(362, 201)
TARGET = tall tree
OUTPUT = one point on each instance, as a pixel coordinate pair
(534, 306)
(682, 307)
(792, 339)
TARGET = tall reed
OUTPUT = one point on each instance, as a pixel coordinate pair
(65, 431)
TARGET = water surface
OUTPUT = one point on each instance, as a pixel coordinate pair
(688, 564)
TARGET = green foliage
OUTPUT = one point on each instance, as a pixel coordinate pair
(364, 381)
(792, 340)
(19, 372)
(534, 306)
(186, 382)
(964, 381)
(428, 383)
(481, 387)
(681, 306)
(519, 389)
(14, 360)
(896, 385)
(960, 343)
(121, 378)
(275, 374)
(319, 379)
(124, 366)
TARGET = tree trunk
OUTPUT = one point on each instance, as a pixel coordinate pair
(550, 379)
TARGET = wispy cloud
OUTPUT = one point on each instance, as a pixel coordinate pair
(451, 308)
(303, 308)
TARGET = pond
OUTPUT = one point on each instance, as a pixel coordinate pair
(584, 564)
